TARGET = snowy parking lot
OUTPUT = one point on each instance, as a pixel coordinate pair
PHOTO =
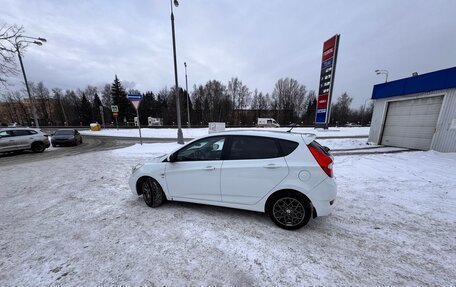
(73, 221)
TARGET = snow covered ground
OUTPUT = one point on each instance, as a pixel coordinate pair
(196, 132)
(73, 221)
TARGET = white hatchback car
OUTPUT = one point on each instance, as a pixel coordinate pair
(287, 175)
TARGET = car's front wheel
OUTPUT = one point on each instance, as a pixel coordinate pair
(290, 210)
(38, 147)
(152, 192)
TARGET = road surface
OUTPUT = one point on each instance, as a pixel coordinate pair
(90, 144)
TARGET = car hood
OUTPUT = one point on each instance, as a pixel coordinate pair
(159, 158)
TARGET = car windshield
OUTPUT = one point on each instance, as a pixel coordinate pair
(64, 132)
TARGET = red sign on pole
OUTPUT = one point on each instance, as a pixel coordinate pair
(115, 114)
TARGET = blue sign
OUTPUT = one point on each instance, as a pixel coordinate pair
(326, 64)
(321, 117)
(133, 97)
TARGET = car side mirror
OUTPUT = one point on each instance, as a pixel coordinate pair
(172, 157)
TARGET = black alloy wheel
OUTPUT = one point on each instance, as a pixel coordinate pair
(290, 211)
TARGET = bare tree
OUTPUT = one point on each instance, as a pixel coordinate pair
(240, 96)
(8, 33)
(288, 97)
(106, 99)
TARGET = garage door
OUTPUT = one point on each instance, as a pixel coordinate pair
(411, 123)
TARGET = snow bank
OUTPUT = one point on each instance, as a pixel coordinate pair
(197, 132)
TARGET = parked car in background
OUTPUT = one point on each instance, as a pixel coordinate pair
(287, 175)
(66, 137)
(17, 139)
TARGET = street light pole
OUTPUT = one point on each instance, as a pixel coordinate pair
(180, 137)
(186, 88)
(38, 42)
(385, 72)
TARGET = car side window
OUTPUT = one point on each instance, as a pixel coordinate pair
(287, 146)
(32, 132)
(204, 149)
(18, 133)
(5, 134)
(252, 147)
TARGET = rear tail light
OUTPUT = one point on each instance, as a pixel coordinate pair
(322, 157)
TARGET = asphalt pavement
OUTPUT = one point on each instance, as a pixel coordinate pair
(90, 144)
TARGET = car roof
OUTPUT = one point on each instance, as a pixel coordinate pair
(27, 129)
(308, 137)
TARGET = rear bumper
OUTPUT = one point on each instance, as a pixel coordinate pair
(323, 197)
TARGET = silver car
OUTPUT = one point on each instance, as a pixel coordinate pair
(17, 139)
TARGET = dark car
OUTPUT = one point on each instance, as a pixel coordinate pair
(66, 137)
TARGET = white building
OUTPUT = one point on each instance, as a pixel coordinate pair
(417, 112)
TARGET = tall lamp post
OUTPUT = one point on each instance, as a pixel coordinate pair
(186, 88)
(385, 72)
(180, 137)
(37, 41)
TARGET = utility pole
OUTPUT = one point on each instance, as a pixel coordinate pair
(186, 88)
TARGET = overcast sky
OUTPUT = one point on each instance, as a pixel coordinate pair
(257, 41)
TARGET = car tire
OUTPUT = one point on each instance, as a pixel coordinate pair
(53, 144)
(80, 141)
(152, 192)
(289, 210)
(38, 147)
(75, 142)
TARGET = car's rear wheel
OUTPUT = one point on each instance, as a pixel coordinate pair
(38, 147)
(152, 192)
(290, 210)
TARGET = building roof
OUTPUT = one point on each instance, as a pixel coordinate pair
(438, 80)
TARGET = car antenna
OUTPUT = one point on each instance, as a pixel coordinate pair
(292, 127)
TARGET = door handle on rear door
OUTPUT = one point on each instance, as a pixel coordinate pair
(209, 168)
(271, 165)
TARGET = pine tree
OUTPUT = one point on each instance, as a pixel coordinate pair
(96, 108)
(85, 111)
(119, 98)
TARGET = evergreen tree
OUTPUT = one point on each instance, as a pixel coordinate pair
(96, 108)
(85, 114)
(119, 98)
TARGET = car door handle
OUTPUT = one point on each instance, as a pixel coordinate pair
(271, 165)
(209, 168)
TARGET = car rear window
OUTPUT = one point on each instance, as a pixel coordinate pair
(64, 132)
(287, 146)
